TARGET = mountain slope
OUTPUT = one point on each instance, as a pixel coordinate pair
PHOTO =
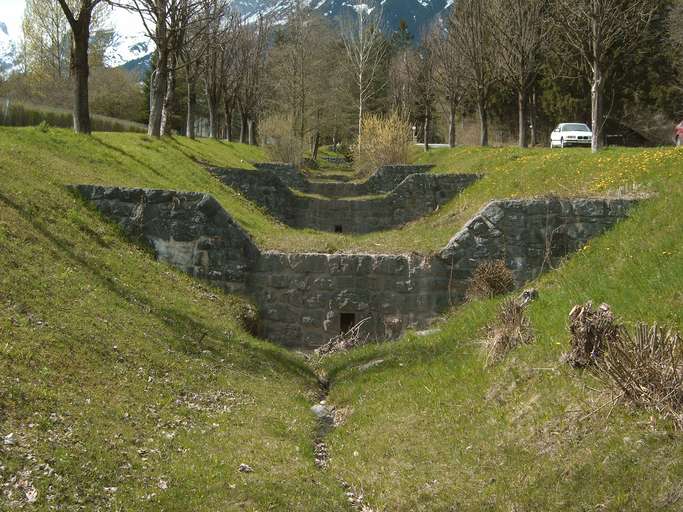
(418, 14)
(8, 50)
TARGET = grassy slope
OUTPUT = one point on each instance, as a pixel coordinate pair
(432, 429)
(118, 371)
(96, 332)
(508, 172)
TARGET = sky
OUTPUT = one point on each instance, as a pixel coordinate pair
(12, 11)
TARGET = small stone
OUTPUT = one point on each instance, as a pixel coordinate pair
(9, 439)
(31, 494)
(321, 411)
(245, 468)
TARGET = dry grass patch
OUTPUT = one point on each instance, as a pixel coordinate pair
(646, 368)
(490, 279)
(511, 329)
(592, 330)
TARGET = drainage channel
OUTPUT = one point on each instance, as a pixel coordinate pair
(326, 416)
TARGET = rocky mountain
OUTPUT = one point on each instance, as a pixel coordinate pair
(8, 50)
(418, 14)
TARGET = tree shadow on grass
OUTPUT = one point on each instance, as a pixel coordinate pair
(126, 154)
(177, 320)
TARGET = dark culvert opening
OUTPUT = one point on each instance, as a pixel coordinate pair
(346, 322)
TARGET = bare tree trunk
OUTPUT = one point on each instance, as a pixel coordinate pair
(532, 118)
(169, 99)
(522, 113)
(157, 93)
(81, 72)
(213, 120)
(451, 125)
(243, 127)
(316, 145)
(596, 108)
(360, 120)
(191, 107)
(213, 106)
(227, 104)
(426, 130)
(251, 125)
(483, 123)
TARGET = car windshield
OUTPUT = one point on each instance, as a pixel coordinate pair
(575, 128)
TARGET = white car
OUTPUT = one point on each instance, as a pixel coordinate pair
(571, 134)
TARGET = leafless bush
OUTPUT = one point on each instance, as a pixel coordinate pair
(592, 331)
(386, 140)
(491, 278)
(647, 369)
(280, 140)
(511, 329)
(354, 337)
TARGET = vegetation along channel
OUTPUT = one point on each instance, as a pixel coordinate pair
(375, 256)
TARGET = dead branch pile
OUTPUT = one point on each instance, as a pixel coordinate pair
(490, 278)
(354, 337)
(647, 369)
(511, 329)
(592, 331)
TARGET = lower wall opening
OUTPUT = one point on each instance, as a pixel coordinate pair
(338, 228)
(347, 321)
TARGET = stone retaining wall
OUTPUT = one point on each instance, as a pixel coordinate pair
(306, 299)
(188, 230)
(416, 196)
(383, 181)
(530, 235)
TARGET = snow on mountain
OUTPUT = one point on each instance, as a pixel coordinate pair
(129, 48)
(418, 14)
(8, 50)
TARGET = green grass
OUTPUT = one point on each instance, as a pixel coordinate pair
(22, 113)
(433, 429)
(118, 371)
(507, 172)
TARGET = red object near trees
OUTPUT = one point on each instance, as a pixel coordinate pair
(678, 134)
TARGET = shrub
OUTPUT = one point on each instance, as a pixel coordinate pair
(591, 331)
(386, 140)
(646, 369)
(511, 329)
(490, 278)
(280, 141)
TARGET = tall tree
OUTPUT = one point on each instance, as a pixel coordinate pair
(46, 34)
(472, 35)
(520, 30)
(304, 47)
(365, 49)
(425, 87)
(675, 33)
(597, 33)
(79, 20)
(447, 74)
(254, 49)
(164, 22)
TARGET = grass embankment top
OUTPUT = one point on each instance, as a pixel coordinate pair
(134, 160)
(127, 385)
